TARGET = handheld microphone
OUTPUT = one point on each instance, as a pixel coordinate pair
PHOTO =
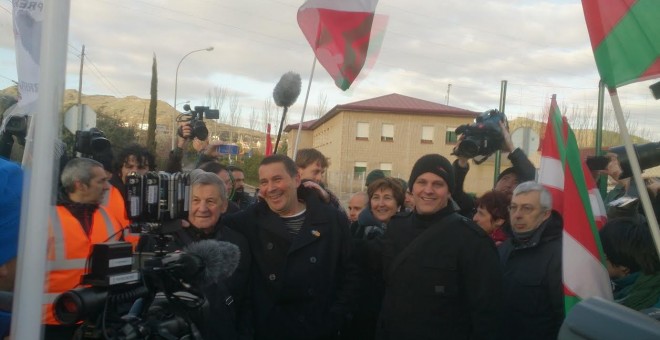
(287, 89)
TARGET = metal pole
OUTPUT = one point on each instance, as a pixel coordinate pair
(602, 179)
(80, 109)
(302, 117)
(39, 173)
(498, 153)
(176, 85)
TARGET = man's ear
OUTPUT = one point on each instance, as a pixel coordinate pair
(77, 185)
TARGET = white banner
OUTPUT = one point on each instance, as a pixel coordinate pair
(28, 17)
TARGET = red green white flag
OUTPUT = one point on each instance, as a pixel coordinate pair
(624, 37)
(339, 32)
(269, 142)
(576, 197)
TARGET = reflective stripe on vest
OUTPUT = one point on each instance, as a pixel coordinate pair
(61, 262)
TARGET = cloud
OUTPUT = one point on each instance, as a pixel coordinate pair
(540, 47)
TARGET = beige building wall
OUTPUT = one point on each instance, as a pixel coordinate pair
(336, 139)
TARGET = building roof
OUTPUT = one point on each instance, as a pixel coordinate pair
(392, 103)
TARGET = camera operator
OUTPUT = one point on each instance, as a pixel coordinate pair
(193, 131)
(228, 309)
(522, 170)
(77, 223)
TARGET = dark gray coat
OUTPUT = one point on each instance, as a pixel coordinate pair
(533, 294)
(303, 287)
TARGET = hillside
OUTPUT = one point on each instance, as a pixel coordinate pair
(133, 111)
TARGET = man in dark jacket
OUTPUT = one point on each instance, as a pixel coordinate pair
(531, 260)
(242, 198)
(522, 170)
(303, 280)
(443, 279)
(228, 316)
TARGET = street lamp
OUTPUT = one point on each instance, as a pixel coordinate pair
(176, 81)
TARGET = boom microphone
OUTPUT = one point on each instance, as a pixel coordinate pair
(287, 89)
(209, 260)
(285, 94)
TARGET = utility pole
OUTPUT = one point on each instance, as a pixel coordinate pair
(80, 109)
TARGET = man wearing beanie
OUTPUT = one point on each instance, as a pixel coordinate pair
(442, 273)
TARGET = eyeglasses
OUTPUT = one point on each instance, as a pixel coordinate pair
(524, 209)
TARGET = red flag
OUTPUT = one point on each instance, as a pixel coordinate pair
(339, 33)
(269, 142)
(576, 196)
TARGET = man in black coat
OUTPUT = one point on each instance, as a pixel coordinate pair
(442, 274)
(531, 259)
(228, 316)
(303, 280)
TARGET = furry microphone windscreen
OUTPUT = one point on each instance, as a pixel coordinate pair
(287, 89)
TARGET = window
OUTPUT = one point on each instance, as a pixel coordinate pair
(362, 131)
(387, 169)
(427, 134)
(359, 170)
(450, 136)
(387, 133)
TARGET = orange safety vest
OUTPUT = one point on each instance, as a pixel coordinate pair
(68, 249)
(113, 202)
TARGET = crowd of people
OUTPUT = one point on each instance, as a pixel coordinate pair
(406, 259)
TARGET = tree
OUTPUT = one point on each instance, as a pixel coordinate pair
(253, 123)
(322, 105)
(216, 98)
(151, 130)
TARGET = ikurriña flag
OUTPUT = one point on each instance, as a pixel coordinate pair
(624, 37)
(574, 195)
(269, 142)
(339, 32)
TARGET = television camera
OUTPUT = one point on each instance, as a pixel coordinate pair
(481, 138)
(91, 142)
(195, 119)
(157, 295)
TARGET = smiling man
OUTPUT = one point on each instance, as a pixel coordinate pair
(442, 271)
(303, 280)
(531, 260)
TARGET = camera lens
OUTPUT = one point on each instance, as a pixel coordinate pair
(77, 304)
(468, 148)
(199, 130)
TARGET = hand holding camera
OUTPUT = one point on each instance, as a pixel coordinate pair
(483, 137)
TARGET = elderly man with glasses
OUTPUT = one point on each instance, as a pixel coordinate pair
(531, 262)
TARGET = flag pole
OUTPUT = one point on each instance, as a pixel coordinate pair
(302, 117)
(636, 170)
(39, 174)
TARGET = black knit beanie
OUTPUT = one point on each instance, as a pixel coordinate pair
(435, 164)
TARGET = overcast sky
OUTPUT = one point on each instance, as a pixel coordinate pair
(540, 47)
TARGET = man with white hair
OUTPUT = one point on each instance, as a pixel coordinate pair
(531, 261)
